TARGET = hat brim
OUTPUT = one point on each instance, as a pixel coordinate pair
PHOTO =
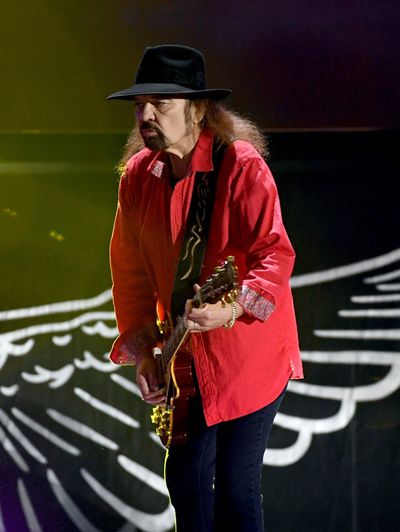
(165, 89)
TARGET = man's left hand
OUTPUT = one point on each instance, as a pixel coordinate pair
(209, 316)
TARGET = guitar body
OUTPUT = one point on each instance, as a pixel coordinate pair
(171, 419)
(175, 360)
(183, 390)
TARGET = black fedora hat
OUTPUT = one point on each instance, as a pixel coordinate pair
(171, 69)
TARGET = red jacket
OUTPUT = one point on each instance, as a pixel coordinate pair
(240, 369)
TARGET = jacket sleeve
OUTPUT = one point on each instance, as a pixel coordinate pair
(133, 297)
(270, 256)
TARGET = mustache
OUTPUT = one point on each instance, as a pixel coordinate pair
(149, 125)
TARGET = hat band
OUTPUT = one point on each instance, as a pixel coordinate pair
(170, 76)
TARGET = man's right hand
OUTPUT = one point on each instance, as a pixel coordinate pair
(147, 379)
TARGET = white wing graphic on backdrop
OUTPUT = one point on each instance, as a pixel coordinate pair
(382, 289)
(52, 435)
(81, 386)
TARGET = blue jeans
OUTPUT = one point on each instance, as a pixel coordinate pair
(214, 478)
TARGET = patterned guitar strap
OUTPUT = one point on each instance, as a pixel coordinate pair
(197, 229)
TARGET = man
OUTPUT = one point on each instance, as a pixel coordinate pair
(244, 352)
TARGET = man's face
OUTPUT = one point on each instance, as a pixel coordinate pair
(165, 123)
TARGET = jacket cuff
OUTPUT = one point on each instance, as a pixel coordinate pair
(132, 343)
(255, 304)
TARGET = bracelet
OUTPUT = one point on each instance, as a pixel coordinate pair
(231, 322)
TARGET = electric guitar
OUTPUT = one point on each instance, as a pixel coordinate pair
(175, 363)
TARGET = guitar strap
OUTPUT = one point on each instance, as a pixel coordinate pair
(197, 228)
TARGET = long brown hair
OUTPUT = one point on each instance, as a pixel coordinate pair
(226, 125)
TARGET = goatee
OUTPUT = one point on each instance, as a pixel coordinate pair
(153, 142)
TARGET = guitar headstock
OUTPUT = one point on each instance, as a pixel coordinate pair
(223, 282)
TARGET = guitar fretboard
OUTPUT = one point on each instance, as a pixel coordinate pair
(218, 285)
(173, 343)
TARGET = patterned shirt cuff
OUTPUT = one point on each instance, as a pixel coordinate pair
(131, 343)
(255, 304)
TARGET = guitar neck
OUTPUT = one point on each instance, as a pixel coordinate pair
(220, 284)
(174, 342)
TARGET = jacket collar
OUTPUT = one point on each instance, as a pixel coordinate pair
(201, 159)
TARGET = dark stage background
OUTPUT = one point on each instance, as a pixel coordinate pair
(291, 64)
(77, 450)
